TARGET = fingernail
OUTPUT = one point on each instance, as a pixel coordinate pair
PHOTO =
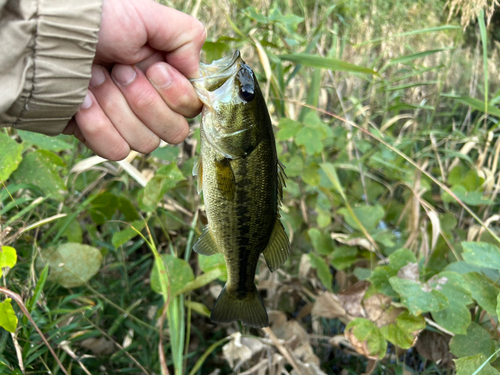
(98, 76)
(159, 75)
(124, 74)
(87, 102)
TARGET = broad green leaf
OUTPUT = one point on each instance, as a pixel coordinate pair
(213, 262)
(310, 175)
(401, 258)
(482, 291)
(456, 317)
(404, 331)
(202, 280)
(366, 337)
(215, 50)
(200, 308)
(322, 269)
(325, 63)
(369, 216)
(44, 141)
(104, 207)
(481, 254)
(476, 341)
(71, 264)
(343, 257)
(73, 232)
(40, 169)
(165, 179)
(168, 153)
(321, 241)
(471, 198)
(469, 365)
(179, 274)
(311, 139)
(122, 237)
(10, 157)
(8, 257)
(380, 279)
(287, 129)
(417, 297)
(294, 166)
(8, 318)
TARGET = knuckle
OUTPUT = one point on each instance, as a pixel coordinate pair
(179, 134)
(198, 32)
(145, 101)
(148, 145)
(117, 152)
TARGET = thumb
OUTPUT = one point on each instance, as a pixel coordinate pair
(178, 35)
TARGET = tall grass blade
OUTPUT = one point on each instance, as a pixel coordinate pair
(326, 63)
(484, 41)
(476, 104)
(414, 56)
(414, 32)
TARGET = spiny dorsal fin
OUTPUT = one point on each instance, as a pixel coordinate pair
(249, 310)
(198, 173)
(281, 182)
(278, 248)
(206, 244)
(225, 178)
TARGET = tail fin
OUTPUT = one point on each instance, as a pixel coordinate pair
(249, 310)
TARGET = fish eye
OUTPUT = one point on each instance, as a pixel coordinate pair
(247, 93)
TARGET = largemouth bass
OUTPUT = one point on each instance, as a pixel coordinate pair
(242, 182)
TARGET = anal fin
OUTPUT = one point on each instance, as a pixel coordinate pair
(278, 249)
(206, 244)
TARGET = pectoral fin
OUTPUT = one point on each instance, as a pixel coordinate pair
(198, 173)
(206, 244)
(278, 248)
(225, 178)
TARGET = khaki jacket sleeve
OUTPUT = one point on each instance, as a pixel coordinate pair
(46, 52)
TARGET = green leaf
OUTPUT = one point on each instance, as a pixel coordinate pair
(370, 340)
(310, 175)
(471, 198)
(10, 157)
(213, 262)
(322, 269)
(321, 241)
(45, 142)
(8, 257)
(343, 257)
(38, 289)
(482, 291)
(456, 317)
(294, 166)
(8, 318)
(200, 308)
(73, 232)
(310, 138)
(168, 153)
(380, 279)
(39, 168)
(417, 297)
(404, 331)
(325, 63)
(476, 341)
(401, 258)
(414, 56)
(104, 207)
(165, 179)
(202, 280)
(470, 365)
(71, 264)
(122, 237)
(481, 254)
(369, 216)
(179, 274)
(476, 104)
(288, 128)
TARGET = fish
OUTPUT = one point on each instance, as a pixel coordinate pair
(242, 182)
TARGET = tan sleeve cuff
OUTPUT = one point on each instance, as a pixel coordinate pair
(57, 68)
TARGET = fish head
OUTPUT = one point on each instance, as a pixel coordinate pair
(234, 110)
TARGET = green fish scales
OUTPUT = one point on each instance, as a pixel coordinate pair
(242, 182)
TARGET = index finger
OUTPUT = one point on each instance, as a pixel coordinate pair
(179, 35)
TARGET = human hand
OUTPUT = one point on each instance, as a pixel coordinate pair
(133, 107)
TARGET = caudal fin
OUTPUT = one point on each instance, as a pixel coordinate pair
(250, 310)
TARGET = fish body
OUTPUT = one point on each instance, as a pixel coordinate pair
(242, 182)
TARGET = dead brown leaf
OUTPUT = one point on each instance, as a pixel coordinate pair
(380, 311)
(370, 367)
(328, 306)
(435, 347)
(350, 298)
(99, 345)
(409, 272)
(360, 346)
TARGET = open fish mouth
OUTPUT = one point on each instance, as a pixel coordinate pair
(214, 75)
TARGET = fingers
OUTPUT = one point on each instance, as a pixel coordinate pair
(182, 36)
(97, 131)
